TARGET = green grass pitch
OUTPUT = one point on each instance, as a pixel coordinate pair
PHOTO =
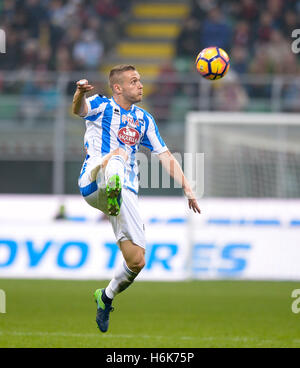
(51, 313)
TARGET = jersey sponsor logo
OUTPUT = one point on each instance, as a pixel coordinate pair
(129, 136)
(133, 124)
(130, 121)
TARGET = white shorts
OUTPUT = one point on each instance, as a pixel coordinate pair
(128, 225)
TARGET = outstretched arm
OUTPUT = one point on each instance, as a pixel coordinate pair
(79, 106)
(172, 166)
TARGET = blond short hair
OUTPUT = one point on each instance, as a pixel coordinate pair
(116, 71)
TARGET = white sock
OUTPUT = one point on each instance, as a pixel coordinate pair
(123, 278)
(115, 166)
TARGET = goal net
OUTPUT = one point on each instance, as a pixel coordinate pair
(247, 154)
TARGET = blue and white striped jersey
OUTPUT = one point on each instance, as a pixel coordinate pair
(109, 126)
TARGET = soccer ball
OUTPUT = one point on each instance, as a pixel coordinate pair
(212, 63)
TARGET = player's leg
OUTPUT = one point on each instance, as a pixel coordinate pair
(116, 155)
(114, 166)
(130, 235)
(134, 261)
(117, 152)
(107, 171)
(87, 180)
(134, 255)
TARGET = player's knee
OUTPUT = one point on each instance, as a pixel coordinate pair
(137, 264)
(121, 152)
(95, 172)
(141, 264)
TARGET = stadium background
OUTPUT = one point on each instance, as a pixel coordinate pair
(248, 231)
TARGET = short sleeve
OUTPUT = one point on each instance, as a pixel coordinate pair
(94, 105)
(152, 138)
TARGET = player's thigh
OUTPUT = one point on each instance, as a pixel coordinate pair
(91, 183)
(118, 151)
(128, 225)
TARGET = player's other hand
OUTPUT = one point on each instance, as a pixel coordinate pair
(84, 86)
(193, 205)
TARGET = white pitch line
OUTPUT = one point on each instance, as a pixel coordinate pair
(67, 334)
(217, 339)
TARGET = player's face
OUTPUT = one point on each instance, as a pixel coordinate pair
(132, 88)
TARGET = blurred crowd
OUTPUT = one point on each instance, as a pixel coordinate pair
(74, 35)
(59, 34)
(52, 35)
(256, 34)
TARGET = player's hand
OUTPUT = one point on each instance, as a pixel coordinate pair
(193, 205)
(83, 86)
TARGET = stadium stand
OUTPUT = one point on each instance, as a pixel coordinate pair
(47, 42)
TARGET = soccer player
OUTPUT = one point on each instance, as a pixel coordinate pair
(108, 181)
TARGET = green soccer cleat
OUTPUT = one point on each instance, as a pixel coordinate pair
(103, 310)
(113, 191)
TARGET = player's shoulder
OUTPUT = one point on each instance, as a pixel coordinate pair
(147, 116)
(97, 98)
(102, 97)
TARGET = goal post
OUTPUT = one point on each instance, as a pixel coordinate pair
(246, 155)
